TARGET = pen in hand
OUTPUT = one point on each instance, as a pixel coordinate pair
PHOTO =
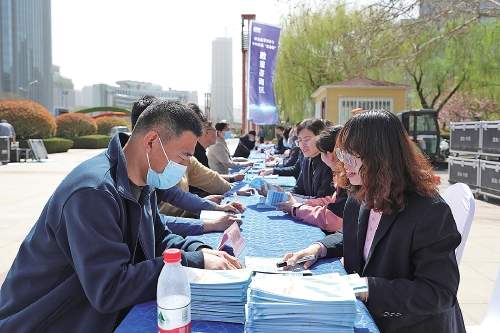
(300, 261)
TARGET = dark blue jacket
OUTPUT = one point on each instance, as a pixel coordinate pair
(93, 253)
(188, 201)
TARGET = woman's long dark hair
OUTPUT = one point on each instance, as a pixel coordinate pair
(392, 164)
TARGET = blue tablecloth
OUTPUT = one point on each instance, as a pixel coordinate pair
(267, 233)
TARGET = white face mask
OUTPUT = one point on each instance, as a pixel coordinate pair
(169, 177)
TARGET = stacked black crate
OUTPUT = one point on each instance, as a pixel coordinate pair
(463, 163)
(490, 159)
(4, 150)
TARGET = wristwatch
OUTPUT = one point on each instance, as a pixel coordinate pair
(295, 206)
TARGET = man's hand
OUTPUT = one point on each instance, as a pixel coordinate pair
(214, 259)
(233, 207)
(220, 224)
(246, 192)
(238, 177)
(215, 198)
(292, 258)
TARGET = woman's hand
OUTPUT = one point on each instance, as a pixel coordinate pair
(266, 172)
(266, 188)
(287, 206)
(292, 258)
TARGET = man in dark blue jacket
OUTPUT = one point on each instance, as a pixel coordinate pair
(95, 250)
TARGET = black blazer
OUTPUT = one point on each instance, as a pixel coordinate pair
(315, 178)
(411, 267)
(290, 171)
(280, 147)
(292, 157)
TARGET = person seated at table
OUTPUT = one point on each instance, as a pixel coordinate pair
(327, 212)
(315, 176)
(290, 167)
(96, 248)
(292, 153)
(398, 233)
(245, 145)
(280, 147)
(219, 158)
(202, 180)
(177, 201)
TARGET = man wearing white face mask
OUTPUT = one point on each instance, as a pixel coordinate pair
(219, 158)
(96, 249)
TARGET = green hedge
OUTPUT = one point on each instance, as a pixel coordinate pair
(57, 145)
(92, 142)
(73, 125)
(105, 124)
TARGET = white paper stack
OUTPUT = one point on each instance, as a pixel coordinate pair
(283, 303)
(218, 295)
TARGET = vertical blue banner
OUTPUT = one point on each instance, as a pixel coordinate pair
(263, 48)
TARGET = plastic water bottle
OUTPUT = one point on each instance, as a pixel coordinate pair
(173, 295)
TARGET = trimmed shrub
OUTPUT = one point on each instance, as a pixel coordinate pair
(72, 125)
(30, 119)
(105, 124)
(92, 142)
(57, 145)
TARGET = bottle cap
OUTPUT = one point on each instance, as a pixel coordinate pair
(172, 256)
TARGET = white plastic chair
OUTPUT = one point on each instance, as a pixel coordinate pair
(491, 322)
(463, 206)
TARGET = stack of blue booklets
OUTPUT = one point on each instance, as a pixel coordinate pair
(218, 295)
(284, 303)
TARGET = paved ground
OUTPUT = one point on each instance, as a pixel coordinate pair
(25, 188)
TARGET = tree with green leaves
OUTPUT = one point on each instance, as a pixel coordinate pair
(438, 55)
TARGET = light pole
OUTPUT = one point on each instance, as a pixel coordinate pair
(26, 88)
(207, 105)
(245, 34)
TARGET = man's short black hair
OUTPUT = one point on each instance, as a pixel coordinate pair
(252, 132)
(139, 106)
(197, 110)
(221, 126)
(169, 118)
(280, 127)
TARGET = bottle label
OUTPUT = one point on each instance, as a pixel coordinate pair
(174, 320)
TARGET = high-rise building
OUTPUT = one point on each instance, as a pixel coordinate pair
(127, 92)
(485, 8)
(222, 80)
(64, 93)
(26, 50)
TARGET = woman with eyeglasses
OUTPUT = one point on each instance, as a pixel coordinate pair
(315, 177)
(325, 213)
(399, 235)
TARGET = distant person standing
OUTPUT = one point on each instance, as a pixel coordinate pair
(280, 147)
(7, 129)
(261, 135)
